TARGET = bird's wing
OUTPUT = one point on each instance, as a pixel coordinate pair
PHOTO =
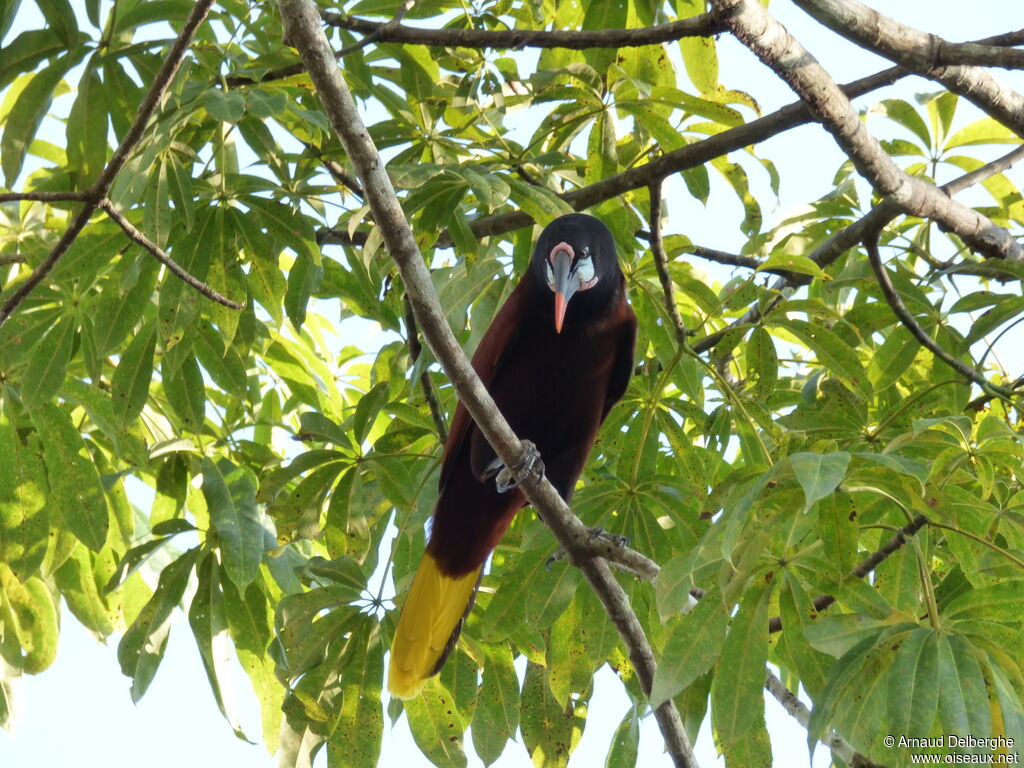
(622, 368)
(492, 351)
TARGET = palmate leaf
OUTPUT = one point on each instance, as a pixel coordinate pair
(73, 478)
(496, 716)
(24, 518)
(230, 492)
(737, 700)
(142, 648)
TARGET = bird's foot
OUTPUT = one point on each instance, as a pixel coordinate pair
(507, 479)
(597, 532)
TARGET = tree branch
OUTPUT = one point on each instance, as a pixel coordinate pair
(302, 29)
(703, 25)
(160, 255)
(802, 715)
(412, 340)
(922, 53)
(661, 263)
(44, 197)
(865, 566)
(770, 41)
(895, 302)
(684, 158)
(98, 190)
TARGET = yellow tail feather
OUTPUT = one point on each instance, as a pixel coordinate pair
(432, 610)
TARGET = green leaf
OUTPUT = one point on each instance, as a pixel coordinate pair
(356, 737)
(48, 364)
(230, 493)
(75, 487)
(187, 394)
(367, 408)
(34, 622)
(179, 304)
(984, 131)
(793, 263)
(700, 56)
(142, 648)
(963, 701)
(60, 17)
(497, 706)
(538, 203)
(80, 580)
(24, 518)
(904, 114)
(206, 616)
(625, 742)
(249, 620)
(151, 12)
(87, 129)
(737, 698)
(437, 725)
(819, 474)
(550, 732)
(997, 602)
(914, 684)
(226, 107)
(762, 363)
(833, 353)
(26, 51)
(130, 383)
(26, 115)
(692, 648)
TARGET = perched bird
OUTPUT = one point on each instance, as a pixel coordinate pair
(556, 358)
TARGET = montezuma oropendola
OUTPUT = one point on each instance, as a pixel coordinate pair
(556, 358)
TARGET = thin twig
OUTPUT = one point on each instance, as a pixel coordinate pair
(99, 189)
(661, 264)
(412, 340)
(44, 197)
(802, 715)
(865, 566)
(703, 25)
(895, 302)
(160, 255)
(776, 48)
(379, 32)
(303, 29)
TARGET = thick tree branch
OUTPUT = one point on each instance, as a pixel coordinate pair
(302, 29)
(802, 715)
(95, 194)
(922, 53)
(703, 25)
(684, 158)
(160, 255)
(770, 41)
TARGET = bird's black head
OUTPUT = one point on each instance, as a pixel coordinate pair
(575, 256)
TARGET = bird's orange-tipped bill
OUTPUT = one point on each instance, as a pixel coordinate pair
(560, 306)
(564, 285)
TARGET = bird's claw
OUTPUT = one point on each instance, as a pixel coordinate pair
(596, 532)
(507, 479)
